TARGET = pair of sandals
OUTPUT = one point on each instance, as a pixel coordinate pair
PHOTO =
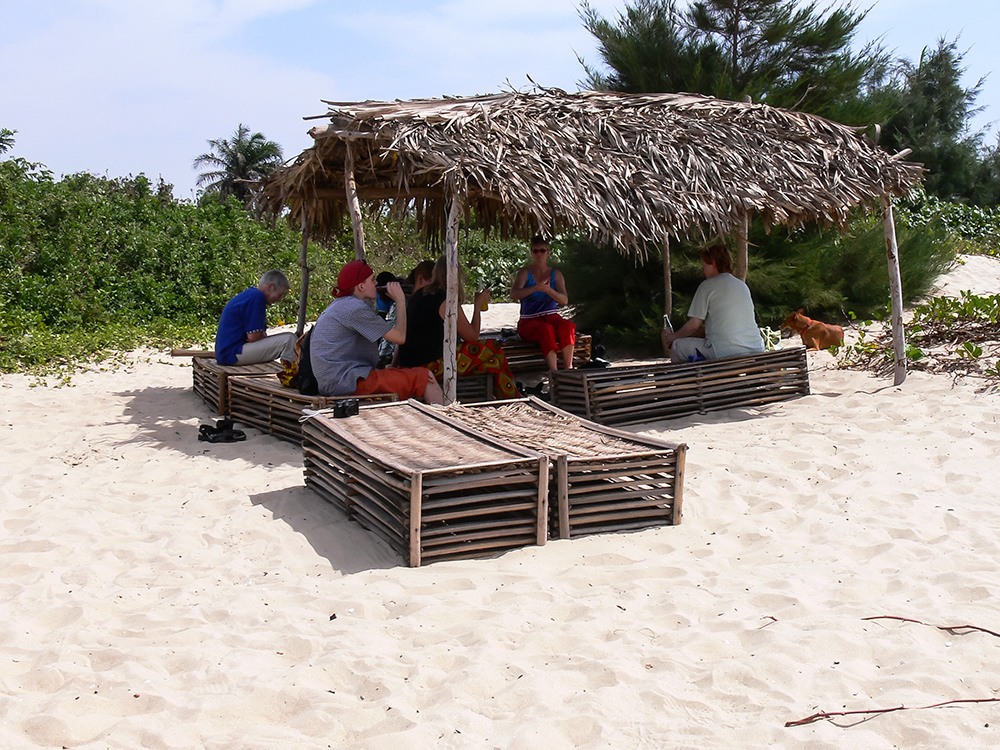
(222, 432)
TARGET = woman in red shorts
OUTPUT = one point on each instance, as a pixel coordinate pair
(540, 290)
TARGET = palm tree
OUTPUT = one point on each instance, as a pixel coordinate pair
(235, 164)
(6, 139)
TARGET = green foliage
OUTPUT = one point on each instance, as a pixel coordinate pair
(89, 265)
(234, 165)
(649, 50)
(973, 230)
(6, 139)
(824, 272)
(617, 294)
(958, 336)
(774, 51)
(932, 112)
(96, 260)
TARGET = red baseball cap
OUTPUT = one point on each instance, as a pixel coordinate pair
(350, 276)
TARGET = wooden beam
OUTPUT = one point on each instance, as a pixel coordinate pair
(450, 384)
(304, 264)
(668, 290)
(895, 293)
(742, 246)
(353, 205)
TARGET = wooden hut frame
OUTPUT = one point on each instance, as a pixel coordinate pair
(629, 170)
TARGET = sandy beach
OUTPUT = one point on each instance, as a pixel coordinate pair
(164, 593)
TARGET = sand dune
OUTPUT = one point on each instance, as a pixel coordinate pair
(164, 593)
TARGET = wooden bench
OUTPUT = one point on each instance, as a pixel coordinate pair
(602, 479)
(431, 489)
(627, 394)
(269, 406)
(211, 379)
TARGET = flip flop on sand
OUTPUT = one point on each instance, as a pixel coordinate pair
(222, 432)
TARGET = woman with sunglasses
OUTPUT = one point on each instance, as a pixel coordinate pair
(540, 290)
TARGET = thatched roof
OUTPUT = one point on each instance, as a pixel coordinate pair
(622, 168)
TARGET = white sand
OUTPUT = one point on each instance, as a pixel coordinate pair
(164, 593)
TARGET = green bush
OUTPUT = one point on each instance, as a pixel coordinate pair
(89, 263)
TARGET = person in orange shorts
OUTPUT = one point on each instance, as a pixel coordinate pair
(343, 348)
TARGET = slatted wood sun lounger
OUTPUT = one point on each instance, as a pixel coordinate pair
(211, 379)
(628, 394)
(269, 406)
(603, 479)
(431, 489)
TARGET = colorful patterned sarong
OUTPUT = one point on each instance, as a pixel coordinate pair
(483, 357)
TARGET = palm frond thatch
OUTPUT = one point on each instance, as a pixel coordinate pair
(625, 169)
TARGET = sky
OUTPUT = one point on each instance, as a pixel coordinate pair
(122, 87)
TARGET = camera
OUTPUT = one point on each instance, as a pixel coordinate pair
(346, 408)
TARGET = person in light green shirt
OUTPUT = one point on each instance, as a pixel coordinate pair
(721, 320)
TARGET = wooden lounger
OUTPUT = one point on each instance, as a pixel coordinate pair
(603, 479)
(269, 406)
(627, 394)
(431, 489)
(211, 379)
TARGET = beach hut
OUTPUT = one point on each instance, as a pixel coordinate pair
(631, 170)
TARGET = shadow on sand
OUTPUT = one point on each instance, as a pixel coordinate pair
(347, 545)
(169, 418)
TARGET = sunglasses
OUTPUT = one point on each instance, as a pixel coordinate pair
(539, 249)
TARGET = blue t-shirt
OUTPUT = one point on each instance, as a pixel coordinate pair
(243, 314)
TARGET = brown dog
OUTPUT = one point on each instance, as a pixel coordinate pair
(815, 335)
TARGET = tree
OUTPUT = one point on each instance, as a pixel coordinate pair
(932, 115)
(236, 164)
(768, 50)
(6, 139)
(650, 50)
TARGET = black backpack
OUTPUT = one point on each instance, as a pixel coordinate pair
(307, 381)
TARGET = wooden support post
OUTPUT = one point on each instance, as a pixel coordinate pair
(668, 290)
(895, 293)
(416, 514)
(562, 494)
(450, 379)
(542, 509)
(353, 204)
(742, 245)
(304, 264)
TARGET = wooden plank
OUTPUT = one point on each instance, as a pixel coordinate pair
(416, 484)
(562, 493)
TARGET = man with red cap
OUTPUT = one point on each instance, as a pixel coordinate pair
(344, 345)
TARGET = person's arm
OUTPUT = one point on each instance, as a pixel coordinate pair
(256, 319)
(519, 291)
(397, 334)
(686, 330)
(559, 293)
(469, 330)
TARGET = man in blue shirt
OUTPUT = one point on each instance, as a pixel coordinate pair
(242, 337)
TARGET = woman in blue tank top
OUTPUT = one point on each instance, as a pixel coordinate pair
(541, 290)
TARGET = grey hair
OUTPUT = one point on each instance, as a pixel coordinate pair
(275, 277)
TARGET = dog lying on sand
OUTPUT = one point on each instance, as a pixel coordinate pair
(815, 335)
